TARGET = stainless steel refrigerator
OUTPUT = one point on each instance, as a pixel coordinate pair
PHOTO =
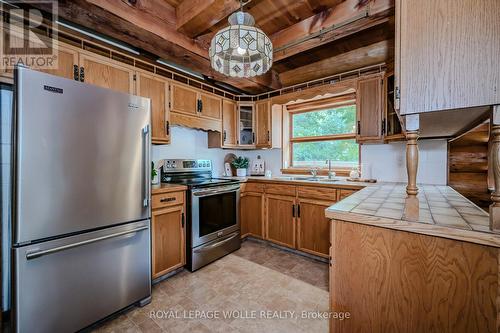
(80, 198)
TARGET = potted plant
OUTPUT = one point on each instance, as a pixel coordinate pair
(241, 165)
(154, 174)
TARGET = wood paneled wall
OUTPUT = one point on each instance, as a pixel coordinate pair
(468, 165)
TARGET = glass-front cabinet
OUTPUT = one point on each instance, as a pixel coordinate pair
(246, 124)
(393, 130)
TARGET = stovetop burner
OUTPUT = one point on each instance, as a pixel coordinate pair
(192, 173)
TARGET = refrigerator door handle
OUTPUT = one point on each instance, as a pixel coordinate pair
(145, 142)
(38, 254)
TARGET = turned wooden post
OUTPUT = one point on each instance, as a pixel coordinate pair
(495, 166)
(411, 203)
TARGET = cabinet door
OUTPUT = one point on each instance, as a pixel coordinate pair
(369, 109)
(106, 73)
(66, 62)
(157, 90)
(447, 54)
(313, 227)
(263, 121)
(67, 59)
(251, 211)
(168, 240)
(246, 134)
(228, 123)
(184, 99)
(211, 106)
(280, 220)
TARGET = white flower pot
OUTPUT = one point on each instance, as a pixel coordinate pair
(241, 172)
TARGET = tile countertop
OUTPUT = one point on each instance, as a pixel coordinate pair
(165, 188)
(443, 212)
(340, 182)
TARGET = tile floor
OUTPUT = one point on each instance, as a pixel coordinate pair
(258, 282)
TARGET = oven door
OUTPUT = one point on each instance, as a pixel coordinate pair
(214, 213)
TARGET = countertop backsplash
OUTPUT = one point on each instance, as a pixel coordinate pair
(385, 161)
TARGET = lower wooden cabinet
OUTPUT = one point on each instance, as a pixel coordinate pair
(168, 239)
(313, 227)
(251, 214)
(280, 219)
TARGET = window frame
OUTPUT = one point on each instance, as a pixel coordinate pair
(289, 140)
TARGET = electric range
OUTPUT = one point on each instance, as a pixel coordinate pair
(212, 214)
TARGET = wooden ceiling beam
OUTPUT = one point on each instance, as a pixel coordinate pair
(362, 57)
(194, 17)
(144, 24)
(345, 19)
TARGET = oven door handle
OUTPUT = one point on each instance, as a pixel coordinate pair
(211, 246)
(208, 193)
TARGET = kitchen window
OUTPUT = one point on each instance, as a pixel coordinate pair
(322, 131)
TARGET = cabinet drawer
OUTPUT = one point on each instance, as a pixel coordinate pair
(345, 193)
(252, 187)
(167, 199)
(321, 193)
(289, 190)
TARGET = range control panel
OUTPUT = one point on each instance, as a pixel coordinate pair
(186, 165)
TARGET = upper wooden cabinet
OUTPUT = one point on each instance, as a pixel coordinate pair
(156, 89)
(263, 121)
(369, 109)
(67, 63)
(229, 124)
(210, 106)
(447, 54)
(106, 73)
(393, 128)
(184, 99)
(193, 102)
(246, 124)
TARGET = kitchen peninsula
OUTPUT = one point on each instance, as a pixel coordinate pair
(442, 270)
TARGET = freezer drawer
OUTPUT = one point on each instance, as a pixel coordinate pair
(68, 284)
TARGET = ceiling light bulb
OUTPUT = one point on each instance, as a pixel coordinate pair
(241, 51)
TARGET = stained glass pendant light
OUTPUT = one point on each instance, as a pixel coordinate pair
(241, 50)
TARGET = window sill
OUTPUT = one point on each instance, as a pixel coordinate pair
(322, 172)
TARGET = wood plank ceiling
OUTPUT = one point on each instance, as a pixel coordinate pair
(311, 38)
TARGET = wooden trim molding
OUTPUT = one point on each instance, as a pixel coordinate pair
(495, 165)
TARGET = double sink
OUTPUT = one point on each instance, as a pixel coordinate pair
(309, 179)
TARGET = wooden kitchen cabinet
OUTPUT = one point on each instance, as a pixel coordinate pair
(393, 129)
(313, 227)
(263, 121)
(67, 63)
(184, 99)
(210, 106)
(252, 214)
(156, 89)
(168, 232)
(168, 240)
(228, 137)
(446, 54)
(281, 219)
(229, 124)
(399, 281)
(106, 73)
(246, 125)
(369, 108)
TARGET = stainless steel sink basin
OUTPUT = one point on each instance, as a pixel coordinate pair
(309, 179)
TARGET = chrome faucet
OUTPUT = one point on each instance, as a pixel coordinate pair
(314, 172)
(331, 174)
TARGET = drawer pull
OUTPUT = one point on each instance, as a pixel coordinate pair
(167, 199)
